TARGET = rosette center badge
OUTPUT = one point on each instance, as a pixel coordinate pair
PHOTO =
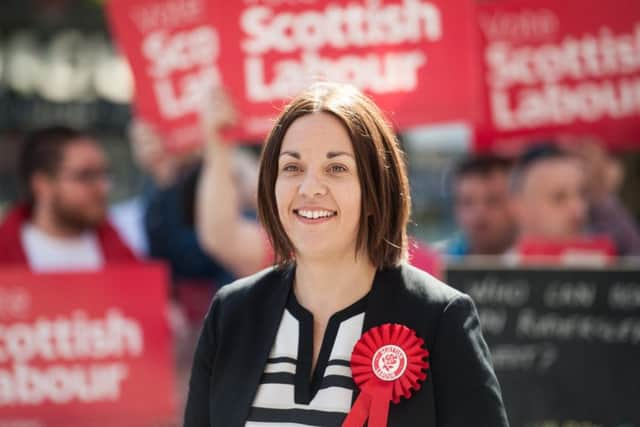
(389, 362)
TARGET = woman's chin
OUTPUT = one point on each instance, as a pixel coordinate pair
(320, 252)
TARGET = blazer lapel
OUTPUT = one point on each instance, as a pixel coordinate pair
(383, 306)
(387, 304)
(250, 360)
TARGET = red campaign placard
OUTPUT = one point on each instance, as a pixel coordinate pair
(414, 57)
(85, 349)
(596, 250)
(552, 68)
(173, 48)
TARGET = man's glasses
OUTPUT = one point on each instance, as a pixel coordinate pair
(86, 176)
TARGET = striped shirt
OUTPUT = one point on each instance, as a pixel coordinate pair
(288, 394)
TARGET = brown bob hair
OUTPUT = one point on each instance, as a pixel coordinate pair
(386, 201)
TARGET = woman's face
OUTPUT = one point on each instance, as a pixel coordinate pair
(317, 189)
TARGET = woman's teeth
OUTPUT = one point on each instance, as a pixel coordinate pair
(315, 214)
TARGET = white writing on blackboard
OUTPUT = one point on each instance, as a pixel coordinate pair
(526, 357)
(568, 294)
(549, 325)
(491, 290)
(492, 320)
(625, 296)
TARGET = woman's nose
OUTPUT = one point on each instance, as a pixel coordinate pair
(312, 186)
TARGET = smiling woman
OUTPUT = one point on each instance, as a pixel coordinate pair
(317, 185)
(277, 348)
(335, 140)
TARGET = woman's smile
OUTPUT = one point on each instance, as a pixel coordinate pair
(314, 215)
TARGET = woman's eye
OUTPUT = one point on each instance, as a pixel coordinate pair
(290, 168)
(337, 168)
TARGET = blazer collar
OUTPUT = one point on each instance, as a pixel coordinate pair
(384, 304)
(266, 317)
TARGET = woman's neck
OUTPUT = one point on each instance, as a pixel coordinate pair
(326, 286)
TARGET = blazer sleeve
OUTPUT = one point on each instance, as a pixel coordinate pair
(197, 407)
(466, 389)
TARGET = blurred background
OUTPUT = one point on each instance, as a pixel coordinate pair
(59, 64)
(564, 199)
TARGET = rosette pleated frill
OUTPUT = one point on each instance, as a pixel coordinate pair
(387, 363)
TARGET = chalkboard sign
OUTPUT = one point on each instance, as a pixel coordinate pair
(565, 343)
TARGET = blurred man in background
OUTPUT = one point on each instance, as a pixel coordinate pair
(482, 209)
(551, 200)
(549, 194)
(606, 213)
(62, 223)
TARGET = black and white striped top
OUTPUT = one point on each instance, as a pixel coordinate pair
(288, 394)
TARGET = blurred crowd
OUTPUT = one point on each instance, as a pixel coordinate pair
(556, 202)
(197, 209)
(557, 197)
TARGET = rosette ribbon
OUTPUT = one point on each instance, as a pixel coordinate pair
(387, 363)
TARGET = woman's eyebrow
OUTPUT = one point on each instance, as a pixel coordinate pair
(332, 154)
(294, 154)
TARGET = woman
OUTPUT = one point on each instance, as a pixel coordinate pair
(275, 348)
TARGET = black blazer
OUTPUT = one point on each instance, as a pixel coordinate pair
(461, 389)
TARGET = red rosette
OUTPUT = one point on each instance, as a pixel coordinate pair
(387, 363)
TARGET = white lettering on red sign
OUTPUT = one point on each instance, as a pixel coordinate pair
(26, 385)
(528, 25)
(581, 78)
(62, 342)
(339, 27)
(15, 302)
(354, 25)
(166, 14)
(183, 68)
(391, 72)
